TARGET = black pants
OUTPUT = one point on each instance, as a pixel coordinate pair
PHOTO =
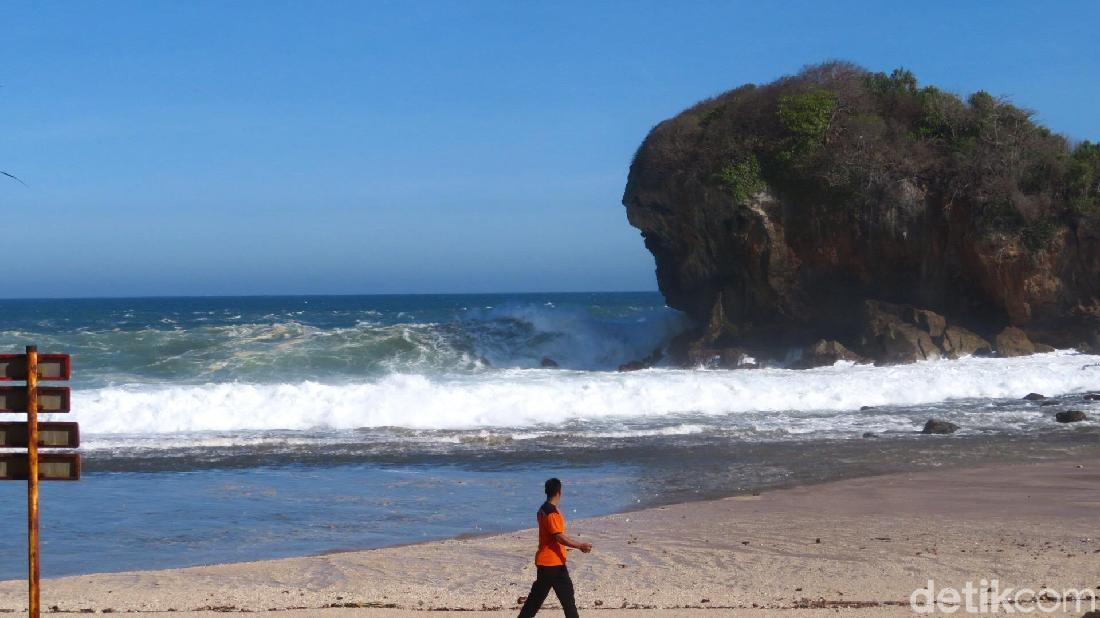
(556, 577)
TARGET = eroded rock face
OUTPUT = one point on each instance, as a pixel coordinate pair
(791, 261)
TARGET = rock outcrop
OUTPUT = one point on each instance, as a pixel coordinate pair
(900, 222)
(958, 342)
(651, 360)
(1013, 341)
(1071, 416)
(936, 426)
(824, 353)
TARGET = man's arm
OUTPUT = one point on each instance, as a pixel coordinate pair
(568, 542)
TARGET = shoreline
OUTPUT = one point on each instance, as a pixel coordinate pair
(843, 545)
(977, 447)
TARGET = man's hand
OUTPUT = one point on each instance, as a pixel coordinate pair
(568, 542)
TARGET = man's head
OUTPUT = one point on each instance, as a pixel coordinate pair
(553, 488)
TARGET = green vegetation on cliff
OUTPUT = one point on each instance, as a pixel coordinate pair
(838, 134)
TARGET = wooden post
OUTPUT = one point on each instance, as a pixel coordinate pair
(32, 480)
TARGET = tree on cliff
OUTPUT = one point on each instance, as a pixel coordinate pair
(777, 209)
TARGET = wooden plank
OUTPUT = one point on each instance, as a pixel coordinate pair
(51, 467)
(50, 435)
(13, 367)
(51, 399)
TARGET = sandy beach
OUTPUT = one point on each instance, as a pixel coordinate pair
(857, 547)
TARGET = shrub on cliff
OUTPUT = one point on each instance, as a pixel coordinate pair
(840, 133)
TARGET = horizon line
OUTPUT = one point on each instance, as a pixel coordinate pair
(324, 295)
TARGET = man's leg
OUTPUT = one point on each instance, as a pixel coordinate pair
(539, 589)
(563, 587)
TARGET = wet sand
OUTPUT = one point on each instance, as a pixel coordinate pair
(853, 547)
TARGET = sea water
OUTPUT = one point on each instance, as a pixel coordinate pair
(226, 429)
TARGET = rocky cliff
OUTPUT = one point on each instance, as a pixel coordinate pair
(861, 214)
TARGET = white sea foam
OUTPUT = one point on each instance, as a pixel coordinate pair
(530, 398)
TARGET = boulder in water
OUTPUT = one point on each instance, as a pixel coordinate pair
(548, 363)
(732, 357)
(1071, 416)
(958, 342)
(893, 333)
(826, 352)
(652, 359)
(1013, 341)
(1034, 397)
(937, 426)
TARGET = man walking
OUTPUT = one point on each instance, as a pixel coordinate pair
(550, 557)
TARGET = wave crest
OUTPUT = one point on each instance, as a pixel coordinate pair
(532, 398)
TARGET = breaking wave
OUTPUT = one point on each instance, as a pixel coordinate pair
(520, 398)
(367, 344)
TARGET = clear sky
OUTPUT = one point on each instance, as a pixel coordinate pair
(372, 147)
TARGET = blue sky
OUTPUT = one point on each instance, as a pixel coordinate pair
(376, 147)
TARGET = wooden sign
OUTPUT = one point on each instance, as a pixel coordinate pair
(51, 399)
(50, 367)
(34, 466)
(50, 435)
(51, 467)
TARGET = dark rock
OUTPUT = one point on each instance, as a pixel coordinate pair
(1034, 397)
(652, 359)
(825, 353)
(1071, 416)
(958, 342)
(889, 339)
(939, 427)
(548, 363)
(1013, 341)
(929, 321)
(723, 358)
(1050, 402)
(1092, 397)
(862, 408)
(870, 434)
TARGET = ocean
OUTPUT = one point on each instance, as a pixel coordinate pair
(229, 429)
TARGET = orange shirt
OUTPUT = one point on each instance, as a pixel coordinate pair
(551, 552)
